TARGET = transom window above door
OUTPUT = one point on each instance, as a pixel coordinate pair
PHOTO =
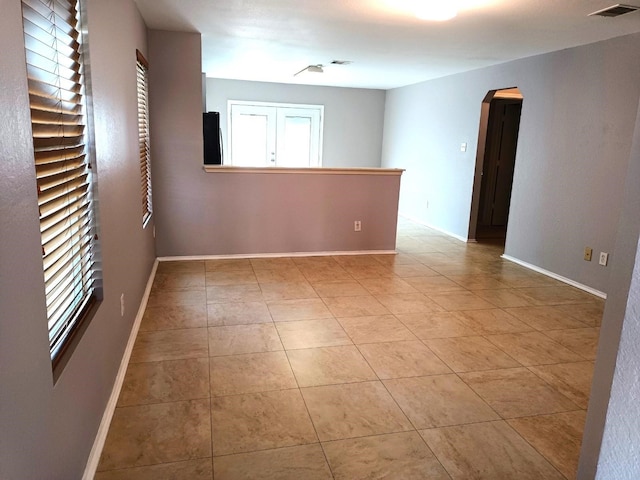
(275, 134)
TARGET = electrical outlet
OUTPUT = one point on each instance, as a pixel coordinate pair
(357, 226)
(604, 259)
(588, 252)
(122, 305)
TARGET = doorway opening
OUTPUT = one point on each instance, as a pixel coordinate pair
(495, 165)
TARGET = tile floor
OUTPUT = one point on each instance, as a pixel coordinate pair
(443, 361)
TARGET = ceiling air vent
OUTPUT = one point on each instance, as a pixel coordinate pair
(615, 10)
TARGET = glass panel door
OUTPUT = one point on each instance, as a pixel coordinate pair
(253, 134)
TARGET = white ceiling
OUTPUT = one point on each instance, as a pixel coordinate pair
(270, 40)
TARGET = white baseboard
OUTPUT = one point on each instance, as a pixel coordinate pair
(437, 229)
(555, 276)
(98, 444)
(277, 255)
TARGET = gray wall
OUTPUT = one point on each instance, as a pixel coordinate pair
(618, 406)
(353, 118)
(48, 430)
(575, 137)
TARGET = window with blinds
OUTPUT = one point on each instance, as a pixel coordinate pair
(143, 136)
(53, 48)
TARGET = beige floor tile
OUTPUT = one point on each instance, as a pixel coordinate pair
(292, 463)
(589, 313)
(156, 382)
(382, 328)
(516, 392)
(283, 263)
(177, 281)
(228, 264)
(180, 266)
(557, 437)
(487, 451)
(435, 258)
(365, 305)
(390, 260)
(280, 275)
(555, 295)
(413, 270)
(438, 401)
(550, 317)
(356, 260)
(234, 293)
(397, 455)
(439, 325)
(470, 354)
(495, 321)
(369, 272)
(301, 309)
(527, 279)
(252, 373)
(456, 301)
(325, 332)
(533, 348)
(260, 421)
(170, 345)
(287, 291)
(503, 298)
(573, 380)
(583, 341)
(324, 272)
(175, 298)
(402, 359)
(408, 303)
(160, 433)
(174, 317)
(434, 284)
(237, 339)
(339, 288)
(353, 410)
(191, 469)
(478, 282)
(232, 277)
(329, 365)
(242, 313)
(387, 286)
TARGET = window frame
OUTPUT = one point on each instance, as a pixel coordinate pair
(144, 136)
(64, 161)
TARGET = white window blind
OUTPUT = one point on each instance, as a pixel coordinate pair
(64, 181)
(143, 136)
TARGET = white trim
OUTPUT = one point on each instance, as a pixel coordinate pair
(308, 171)
(101, 436)
(555, 276)
(278, 255)
(438, 229)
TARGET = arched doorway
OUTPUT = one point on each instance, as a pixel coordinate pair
(495, 164)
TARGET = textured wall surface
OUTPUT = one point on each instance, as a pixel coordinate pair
(620, 457)
(618, 351)
(575, 137)
(353, 117)
(48, 429)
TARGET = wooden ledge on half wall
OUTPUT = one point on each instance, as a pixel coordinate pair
(305, 171)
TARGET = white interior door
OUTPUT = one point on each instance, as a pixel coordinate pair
(253, 136)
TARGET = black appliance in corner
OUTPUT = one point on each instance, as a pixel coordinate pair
(212, 138)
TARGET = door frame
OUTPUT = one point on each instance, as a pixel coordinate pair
(508, 92)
